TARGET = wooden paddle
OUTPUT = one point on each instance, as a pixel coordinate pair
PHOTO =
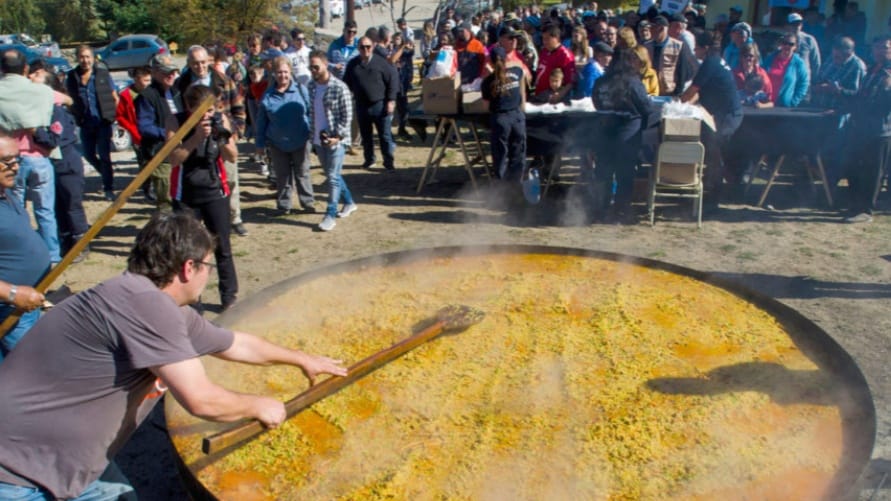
(106, 216)
(449, 319)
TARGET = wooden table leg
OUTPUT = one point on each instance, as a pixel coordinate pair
(439, 126)
(770, 181)
(467, 163)
(480, 152)
(822, 172)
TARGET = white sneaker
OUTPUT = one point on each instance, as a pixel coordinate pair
(264, 169)
(327, 224)
(347, 210)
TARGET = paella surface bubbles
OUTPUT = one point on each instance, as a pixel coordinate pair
(587, 379)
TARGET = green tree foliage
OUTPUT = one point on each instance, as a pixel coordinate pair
(68, 20)
(20, 16)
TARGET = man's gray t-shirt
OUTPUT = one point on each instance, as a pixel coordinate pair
(75, 389)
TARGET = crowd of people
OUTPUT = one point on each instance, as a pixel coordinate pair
(565, 55)
(288, 101)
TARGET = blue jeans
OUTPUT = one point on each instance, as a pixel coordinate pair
(332, 163)
(376, 115)
(114, 485)
(36, 182)
(96, 141)
(12, 338)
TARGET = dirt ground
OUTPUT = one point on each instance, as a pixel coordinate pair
(837, 274)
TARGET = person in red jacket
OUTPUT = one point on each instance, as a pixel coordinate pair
(125, 115)
(554, 55)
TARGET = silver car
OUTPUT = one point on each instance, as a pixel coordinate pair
(131, 51)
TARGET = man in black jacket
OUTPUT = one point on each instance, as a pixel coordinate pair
(375, 83)
(158, 101)
(95, 100)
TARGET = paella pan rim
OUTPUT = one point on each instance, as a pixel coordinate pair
(812, 340)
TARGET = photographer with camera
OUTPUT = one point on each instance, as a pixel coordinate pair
(283, 128)
(198, 180)
(330, 133)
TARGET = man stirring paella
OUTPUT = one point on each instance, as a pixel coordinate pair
(91, 369)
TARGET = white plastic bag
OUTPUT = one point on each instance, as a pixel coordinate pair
(445, 64)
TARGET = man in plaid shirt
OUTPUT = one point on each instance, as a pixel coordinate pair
(230, 102)
(330, 115)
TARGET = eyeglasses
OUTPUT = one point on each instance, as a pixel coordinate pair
(315, 67)
(366, 47)
(205, 263)
(7, 164)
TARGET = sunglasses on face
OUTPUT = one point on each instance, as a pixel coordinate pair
(8, 164)
(366, 47)
(353, 31)
(301, 39)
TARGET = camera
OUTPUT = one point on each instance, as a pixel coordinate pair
(217, 130)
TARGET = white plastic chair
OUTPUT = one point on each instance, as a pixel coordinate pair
(677, 173)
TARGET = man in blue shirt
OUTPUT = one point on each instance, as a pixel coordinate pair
(24, 258)
(343, 49)
(283, 127)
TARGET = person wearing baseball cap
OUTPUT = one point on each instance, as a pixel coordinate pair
(471, 53)
(808, 48)
(673, 60)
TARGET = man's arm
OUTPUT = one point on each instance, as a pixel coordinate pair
(189, 384)
(145, 120)
(251, 349)
(21, 296)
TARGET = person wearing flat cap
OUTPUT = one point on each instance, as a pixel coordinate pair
(153, 105)
(471, 54)
(808, 48)
(592, 70)
(672, 59)
(677, 28)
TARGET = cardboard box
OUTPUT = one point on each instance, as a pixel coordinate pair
(681, 129)
(472, 103)
(441, 96)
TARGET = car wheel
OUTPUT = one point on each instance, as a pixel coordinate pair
(120, 138)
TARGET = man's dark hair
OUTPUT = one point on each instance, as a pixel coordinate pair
(195, 94)
(553, 30)
(295, 33)
(141, 71)
(349, 25)
(166, 242)
(13, 62)
(319, 54)
(372, 34)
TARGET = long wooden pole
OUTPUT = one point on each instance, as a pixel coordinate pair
(240, 433)
(106, 216)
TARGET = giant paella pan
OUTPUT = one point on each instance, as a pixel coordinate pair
(591, 376)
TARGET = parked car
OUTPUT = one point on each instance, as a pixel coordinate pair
(120, 138)
(131, 51)
(47, 49)
(59, 64)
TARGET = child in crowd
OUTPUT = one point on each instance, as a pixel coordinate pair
(551, 95)
(752, 93)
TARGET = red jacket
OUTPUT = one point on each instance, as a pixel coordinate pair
(125, 114)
